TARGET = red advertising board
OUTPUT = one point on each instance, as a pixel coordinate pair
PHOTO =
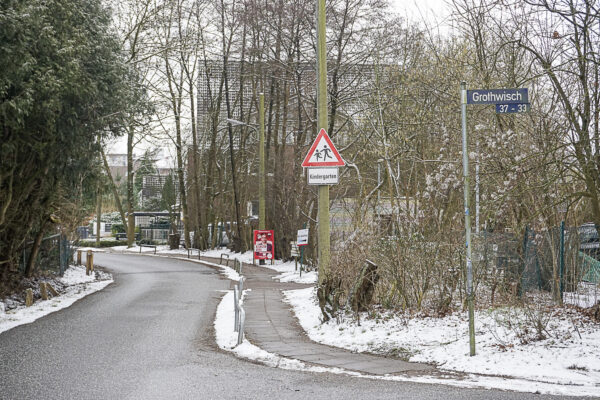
(264, 245)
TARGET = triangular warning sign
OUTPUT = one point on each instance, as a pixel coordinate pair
(323, 153)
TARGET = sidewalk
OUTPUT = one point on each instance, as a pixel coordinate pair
(271, 325)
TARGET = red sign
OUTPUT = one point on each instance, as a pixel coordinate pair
(264, 245)
(323, 153)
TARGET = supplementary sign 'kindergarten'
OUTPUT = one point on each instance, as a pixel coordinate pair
(323, 176)
(323, 153)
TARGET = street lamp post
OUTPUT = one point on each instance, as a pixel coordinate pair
(261, 157)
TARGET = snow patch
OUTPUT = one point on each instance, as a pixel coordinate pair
(567, 366)
(80, 285)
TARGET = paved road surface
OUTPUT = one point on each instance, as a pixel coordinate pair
(150, 336)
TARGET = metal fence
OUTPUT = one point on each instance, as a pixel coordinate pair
(562, 260)
(54, 255)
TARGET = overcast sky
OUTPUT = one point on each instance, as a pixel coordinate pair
(430, 10)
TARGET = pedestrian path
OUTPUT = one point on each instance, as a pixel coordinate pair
(272, 326)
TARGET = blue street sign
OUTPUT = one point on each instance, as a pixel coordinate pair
(512, 108)
(498, 96)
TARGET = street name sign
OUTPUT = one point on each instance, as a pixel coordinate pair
(513, 108)
(323, 176)
(323, 153)
(498, 96)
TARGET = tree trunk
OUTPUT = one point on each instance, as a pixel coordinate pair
(98, 212)
(114, 188)
(130, 217)
(35, 249)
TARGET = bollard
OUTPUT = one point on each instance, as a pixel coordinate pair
(78, 257)
(235, 307)
(241, 328)
(89, 265)
(44, 291)
(28, 297)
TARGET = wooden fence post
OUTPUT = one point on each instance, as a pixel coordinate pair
(78, 257)
(43, 291)
(89, 266)
(28, 297)
(51, 289)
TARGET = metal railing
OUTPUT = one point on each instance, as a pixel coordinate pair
(221, 259)
(147, 245)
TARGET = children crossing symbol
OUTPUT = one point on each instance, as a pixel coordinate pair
(323, 153)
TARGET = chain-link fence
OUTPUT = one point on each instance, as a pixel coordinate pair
(54, 255)
(563, 261)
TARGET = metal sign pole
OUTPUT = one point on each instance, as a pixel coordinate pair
(463, 101)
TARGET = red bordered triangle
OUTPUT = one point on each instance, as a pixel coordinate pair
(323, 153)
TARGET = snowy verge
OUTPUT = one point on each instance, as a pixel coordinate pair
(229, 272)
(226, 339)
(78, 284)
(567, 366)
(288, 271)
(84, 249)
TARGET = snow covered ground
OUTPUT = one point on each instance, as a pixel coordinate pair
(288, 271)
(78, 285)
(567, 362)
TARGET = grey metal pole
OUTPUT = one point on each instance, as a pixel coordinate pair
(561, 285)
(463, 105)
(236, 298)
(240, 330)
(477, 190)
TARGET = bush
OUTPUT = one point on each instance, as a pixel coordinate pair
(421, 271)
(103, 243)
(118, 228)
(111, 218)
(148, 241)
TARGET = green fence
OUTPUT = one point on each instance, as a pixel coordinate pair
(54, 255)
(540, 260)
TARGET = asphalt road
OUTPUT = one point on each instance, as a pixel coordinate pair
(150, 336)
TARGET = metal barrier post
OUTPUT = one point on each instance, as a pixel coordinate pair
(241, 329)
(236, 307)
(561, 283)
(221, 259)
